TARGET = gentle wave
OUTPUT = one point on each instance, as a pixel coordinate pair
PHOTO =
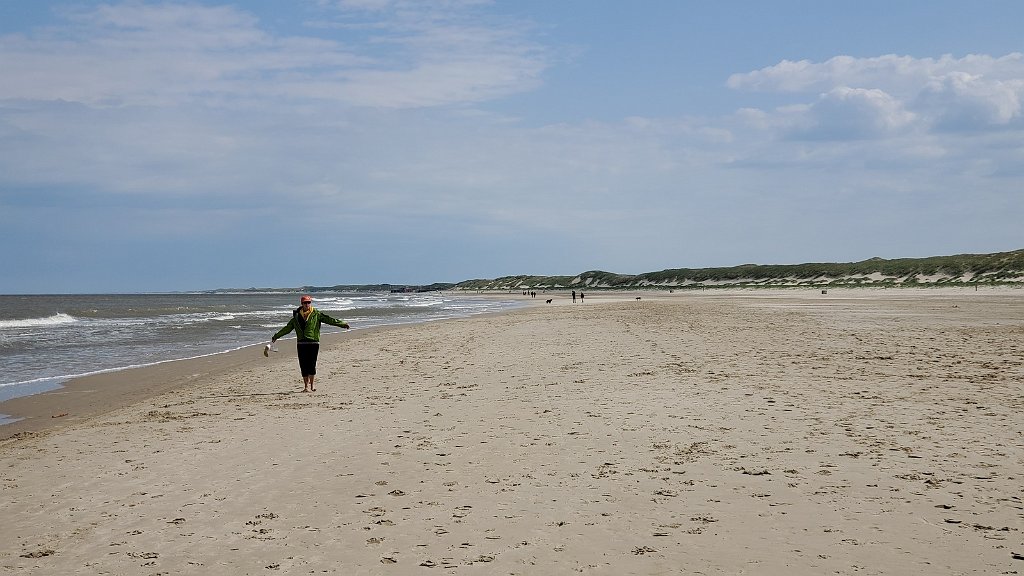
(66, 377)
(56, 319)
(101, 333)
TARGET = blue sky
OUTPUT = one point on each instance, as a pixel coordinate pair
(150, 146)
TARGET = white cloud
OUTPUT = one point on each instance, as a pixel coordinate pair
(134, 54)
(896, 74)
(850, 114)
(892, 73)
(863, 97)
(962, 101)
(167, 54)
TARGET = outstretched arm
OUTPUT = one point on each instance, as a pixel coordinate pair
(333, 321)
(287, 328)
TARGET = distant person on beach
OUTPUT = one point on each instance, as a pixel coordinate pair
(306, 322)
(573, 296)
(581, 297)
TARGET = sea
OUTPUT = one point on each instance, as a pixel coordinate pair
(46, 340)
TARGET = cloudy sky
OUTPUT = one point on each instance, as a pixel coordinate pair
(150, 146)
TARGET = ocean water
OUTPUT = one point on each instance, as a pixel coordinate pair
(48, 339)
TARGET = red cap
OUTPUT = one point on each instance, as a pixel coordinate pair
(307, 298)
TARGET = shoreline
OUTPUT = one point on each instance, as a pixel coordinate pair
(769, 434)
(50, 340)
(38, 404)
(80, 398)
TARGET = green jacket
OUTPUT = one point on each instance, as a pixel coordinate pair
(308, 330)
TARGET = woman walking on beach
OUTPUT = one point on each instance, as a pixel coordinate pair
(306, 322)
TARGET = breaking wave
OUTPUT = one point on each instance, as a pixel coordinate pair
(55, 320)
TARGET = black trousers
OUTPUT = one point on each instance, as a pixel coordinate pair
(308, 351)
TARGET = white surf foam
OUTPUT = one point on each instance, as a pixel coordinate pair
(56, 319)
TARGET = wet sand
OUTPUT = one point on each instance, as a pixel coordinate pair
(757, 432)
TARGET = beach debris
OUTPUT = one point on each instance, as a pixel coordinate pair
(144, 555)
(388, 560)
(61, 415)
(705, 519)
(984, 527)
(39, 553)
(641, 550)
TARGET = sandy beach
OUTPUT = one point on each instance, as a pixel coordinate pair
(732, 432)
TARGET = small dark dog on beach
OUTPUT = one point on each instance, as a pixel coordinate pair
(637, 297)
(548, 300)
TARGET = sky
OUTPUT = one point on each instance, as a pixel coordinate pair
(165, 146)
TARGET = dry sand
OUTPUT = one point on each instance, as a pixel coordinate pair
(859, 432)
